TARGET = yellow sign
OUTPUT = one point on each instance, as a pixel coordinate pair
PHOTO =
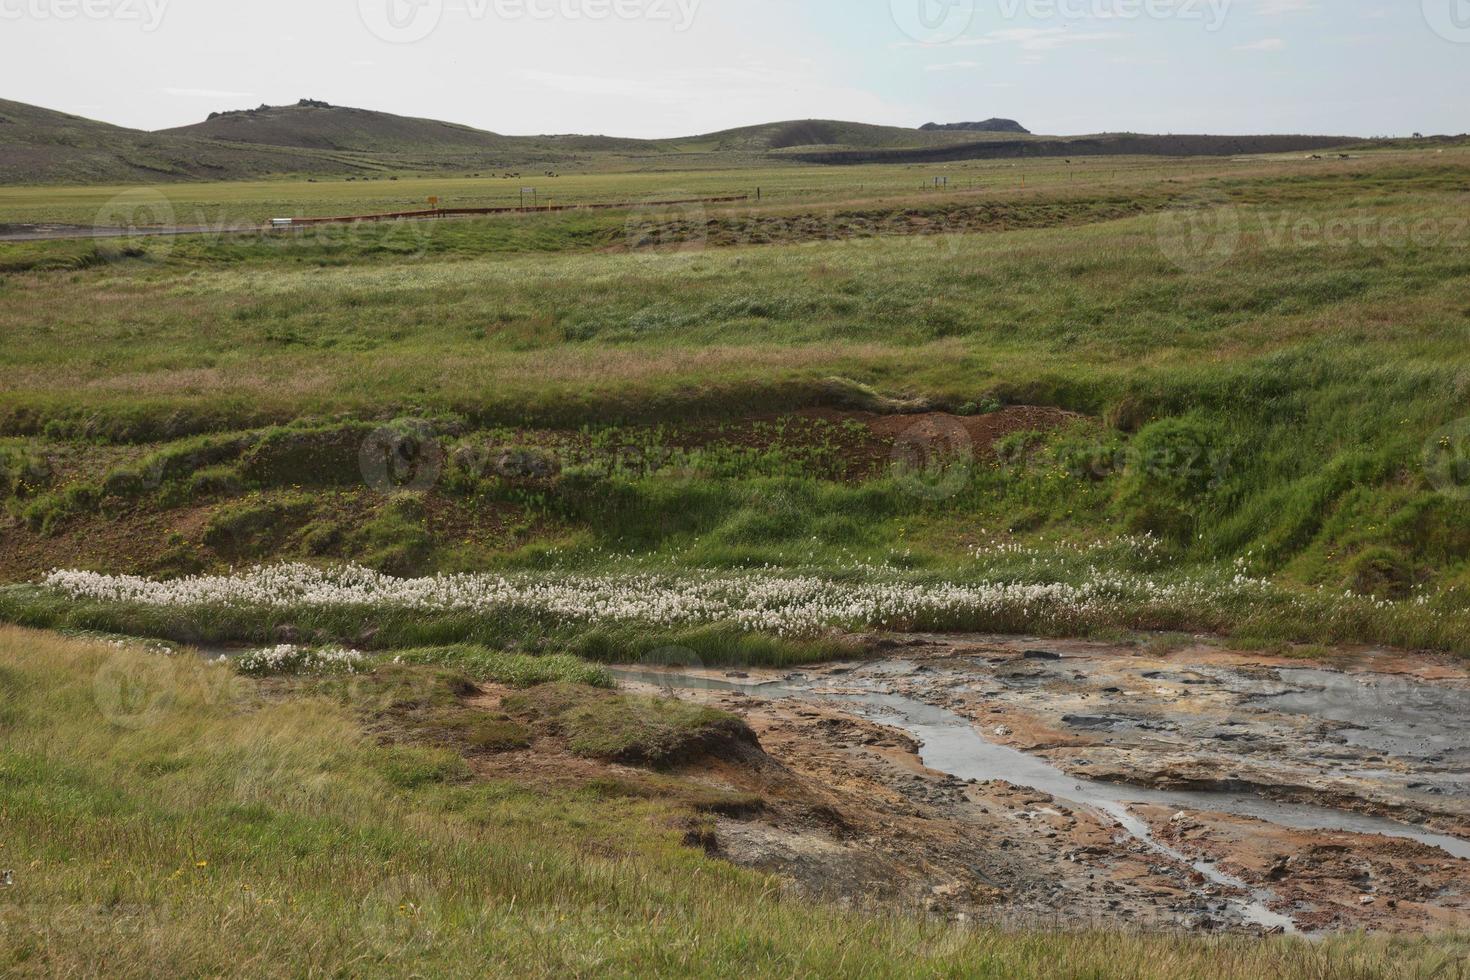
(433, 202)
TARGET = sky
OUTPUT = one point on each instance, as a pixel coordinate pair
(662, 68)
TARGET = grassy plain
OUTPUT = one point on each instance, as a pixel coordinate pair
(230, 203)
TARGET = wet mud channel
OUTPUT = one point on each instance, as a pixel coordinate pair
(1092, 785)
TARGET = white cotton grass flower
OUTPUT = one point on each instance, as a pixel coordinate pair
(764, 600)
(292, 661)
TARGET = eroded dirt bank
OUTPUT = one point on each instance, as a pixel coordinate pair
(1080, 784)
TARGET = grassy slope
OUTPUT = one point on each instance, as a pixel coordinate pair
(1317, 373)
(225, 833)
(41, 146)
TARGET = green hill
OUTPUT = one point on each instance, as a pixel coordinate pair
(827, 133)
(312, 125)
(44, 146)
(310, 138)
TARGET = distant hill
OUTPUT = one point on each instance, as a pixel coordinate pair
(314, 139)
(44, 146)
(1106, 144)
(986, 126)
(814, 132)
(313, 125)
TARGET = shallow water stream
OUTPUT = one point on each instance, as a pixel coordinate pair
(952, 744)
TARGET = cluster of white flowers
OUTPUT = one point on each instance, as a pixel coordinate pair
(291, 660)
(1141, 546)
(764, 601)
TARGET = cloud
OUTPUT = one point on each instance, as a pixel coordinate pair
(207, 93)
(1276, 8)
(1264, 44)
(953, 66)
(1027, 39)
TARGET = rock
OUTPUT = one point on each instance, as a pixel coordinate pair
(1002, 732)
(1042, 655)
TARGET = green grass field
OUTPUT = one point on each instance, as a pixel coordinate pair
(1194, 396)
(1311, 369)
(224, 204)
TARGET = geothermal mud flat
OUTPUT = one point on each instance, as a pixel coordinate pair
(1081, 784)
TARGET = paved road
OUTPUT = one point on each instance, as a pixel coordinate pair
(47, 233)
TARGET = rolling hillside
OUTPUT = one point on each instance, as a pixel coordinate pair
(315, 125)
(42, 146)
(827, 133)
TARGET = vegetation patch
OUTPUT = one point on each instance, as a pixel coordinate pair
(409, 704)
(629, 729)
(511, 669)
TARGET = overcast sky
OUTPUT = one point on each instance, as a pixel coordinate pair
(657, 68)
